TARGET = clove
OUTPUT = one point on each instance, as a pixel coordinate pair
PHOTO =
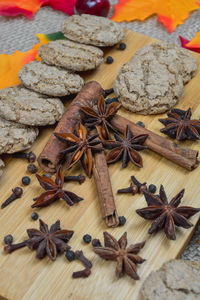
(133, 189)
(81, 274)
(80, 178)
(17, 193)
(12, 247)
(87, 264)
(30, 156)
(108, 92)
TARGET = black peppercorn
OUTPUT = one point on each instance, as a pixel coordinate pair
(111, 100)
(122, 220)
(34, 216)
(70, 255)
(122, 46)
(140, 124)
(32, 168)
(26, 180)
(87, 238)
(109, 60)
(152, 188)
(8, 239)
(47, 175)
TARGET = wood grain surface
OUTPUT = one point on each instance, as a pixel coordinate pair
(23, 277)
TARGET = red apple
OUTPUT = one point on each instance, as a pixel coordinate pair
(93, 7)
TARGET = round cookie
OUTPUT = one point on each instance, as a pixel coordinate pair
(70, 55)
(26, 107)
(16, 137)
(152, 81)
(92, 30)
(50, 80)
(2, 165)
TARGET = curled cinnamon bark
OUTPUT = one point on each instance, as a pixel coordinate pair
(186, 158)
(50, 156)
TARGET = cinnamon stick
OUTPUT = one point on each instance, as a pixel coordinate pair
(50, 156)
(186, 158)
(104, 190)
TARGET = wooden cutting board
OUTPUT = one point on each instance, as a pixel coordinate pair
(22, 276)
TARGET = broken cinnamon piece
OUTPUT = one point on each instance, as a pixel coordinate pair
(50, 156)
(186, 158)
(104, 190)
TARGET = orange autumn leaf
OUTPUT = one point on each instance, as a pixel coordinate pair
(10, 65)
(170, 12)
(29, 7)
(195, 42)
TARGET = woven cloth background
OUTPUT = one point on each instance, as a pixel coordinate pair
(19, 34)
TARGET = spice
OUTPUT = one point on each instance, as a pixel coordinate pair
(54, 191)
(104, 190)
(87, 238)
(34, 216)
(70, 255)
(87, 264)
(122, 220)
(184, 157)
(109, 60)
(8, 239)
(80, 178)
(152, 188)
(100, 117)
(122, 46)
(26, 180)
(135, 187)
(12, 247)
(126, 257)
(96, 243)
(32, 168)
(17, 193)
(179, 125)
(140, 124)
(111, 100)
(47, 175)
(50, 157)
(30, 156)
(166, 214)
(108, 92)
(126, 148)
(48, 242)
(81, 147)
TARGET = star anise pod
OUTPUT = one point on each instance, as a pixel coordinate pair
(126, 148)
(180, 126)
(48, 242)
(166, 214)
(54, 191)
(82, 147)
(126, 257)
(101, 116)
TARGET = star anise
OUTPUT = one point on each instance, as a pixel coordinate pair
(54, 191)
(126, 148)
(126, 258)
(101, 116)
(48, 242)
(45, 241)
(180, 126)
(166, 214)
(82, 147)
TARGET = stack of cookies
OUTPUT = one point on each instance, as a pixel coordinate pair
(36, 102)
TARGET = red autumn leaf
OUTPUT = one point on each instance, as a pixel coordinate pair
(170, 12)
(193, 45)
(29, 7)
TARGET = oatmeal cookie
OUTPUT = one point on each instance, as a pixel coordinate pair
(2, 165)
(70, 55)
(16, 137)
(50, 80)
(153, 80)
(92, 30)
(26, 107)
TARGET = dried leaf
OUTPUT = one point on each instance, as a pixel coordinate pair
(170, 12)
(30, 7)
(193, 45)
(10, 65)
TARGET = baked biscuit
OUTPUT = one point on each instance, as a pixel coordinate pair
(49, 80)
(92, 30)
(70, 55)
